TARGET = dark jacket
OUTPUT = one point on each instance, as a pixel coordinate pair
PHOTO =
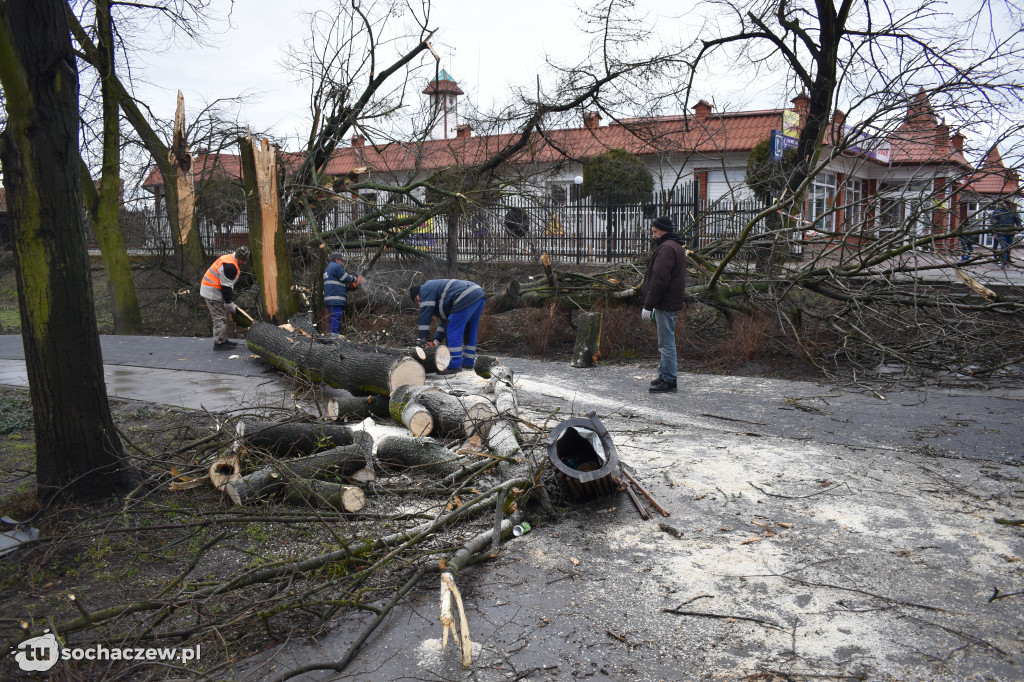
(336, 282)
(1005, 221)
(665, 281)
(442, 297)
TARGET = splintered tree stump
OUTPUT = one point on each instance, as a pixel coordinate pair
(357, 408)
(422, 454)
(308, 491)
(588, 340)
(434, 359)
(483, 365)
(254, 487)
(294, 438)
(357, 371)
(452, 416)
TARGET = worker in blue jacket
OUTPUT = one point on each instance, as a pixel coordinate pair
(458, 305)
(337, 283)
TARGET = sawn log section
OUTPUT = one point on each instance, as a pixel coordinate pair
(357, 371)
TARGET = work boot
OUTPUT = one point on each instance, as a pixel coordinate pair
(222, 346)
(663, 387)
(655, 382)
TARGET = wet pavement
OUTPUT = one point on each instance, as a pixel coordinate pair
(823, 531)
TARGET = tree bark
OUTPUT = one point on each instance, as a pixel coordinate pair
(358, 408)
(345, 460)
(588, 340)
(255, 486)
(358, 372)
(308, 491)
(271, 254)
(105, 205)
(483, 365)
(288, 439)
(422, 454)
(78, 452)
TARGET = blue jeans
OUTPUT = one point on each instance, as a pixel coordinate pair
(1002, 247)
(461, 335)
(666, 323)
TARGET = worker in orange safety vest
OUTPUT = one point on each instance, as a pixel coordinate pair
(217, 290)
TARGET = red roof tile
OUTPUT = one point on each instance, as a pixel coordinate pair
(992, 177)
(922, 139)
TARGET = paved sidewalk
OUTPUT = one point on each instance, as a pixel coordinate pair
(180, 371)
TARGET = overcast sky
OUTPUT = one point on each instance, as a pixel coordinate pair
(486, 46)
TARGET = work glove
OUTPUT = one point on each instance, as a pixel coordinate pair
(647, 315)
(232, 307)
(430, 344)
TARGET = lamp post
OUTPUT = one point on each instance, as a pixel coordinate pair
(578, 180)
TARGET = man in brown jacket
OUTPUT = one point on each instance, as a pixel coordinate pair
(664, 296)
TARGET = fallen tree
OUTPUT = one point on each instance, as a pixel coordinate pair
(357, 371)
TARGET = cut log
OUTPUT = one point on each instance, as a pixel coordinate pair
(502, 385)
(588, 340)
(341, 497)
(422, 454)
(225, 470)
(289, 439)
(417, 418)
(254, 487)
(357, 408)
(434, 359)
(483, 365)
(346, 460)
(453, 416)
(358, 372)
(362, 476)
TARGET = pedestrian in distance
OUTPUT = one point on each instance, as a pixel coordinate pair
(664, 295)
(337, 284)
(1006, 223)
(217, 290)
(458, 304)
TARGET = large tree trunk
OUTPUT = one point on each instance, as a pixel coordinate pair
(358, 372)
(105, 206)
(451, 416)
(78, 452)
(271, 255)
(588, 340)
(308, 491)
(419, 454)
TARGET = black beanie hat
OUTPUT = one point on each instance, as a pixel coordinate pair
(414, 291)
(337, 255)
(663, 222)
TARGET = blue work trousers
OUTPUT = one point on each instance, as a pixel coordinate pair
(335, 318)
(461, 335)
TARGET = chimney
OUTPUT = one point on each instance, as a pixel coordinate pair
(702, 110)
(358, 140)
(802, 104)
(942, 134)
(591, 119)
(463, 131)
(958, 141)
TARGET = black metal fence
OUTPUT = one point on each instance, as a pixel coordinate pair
(518, 229)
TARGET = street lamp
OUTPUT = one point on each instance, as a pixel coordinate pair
(578, 180)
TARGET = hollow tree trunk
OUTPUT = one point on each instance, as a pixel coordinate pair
(355, 371)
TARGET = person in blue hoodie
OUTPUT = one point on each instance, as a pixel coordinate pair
(337, 282)
(458, 305)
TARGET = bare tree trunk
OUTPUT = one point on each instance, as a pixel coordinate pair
(271, 255)
(105, 207)
(78, 452)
